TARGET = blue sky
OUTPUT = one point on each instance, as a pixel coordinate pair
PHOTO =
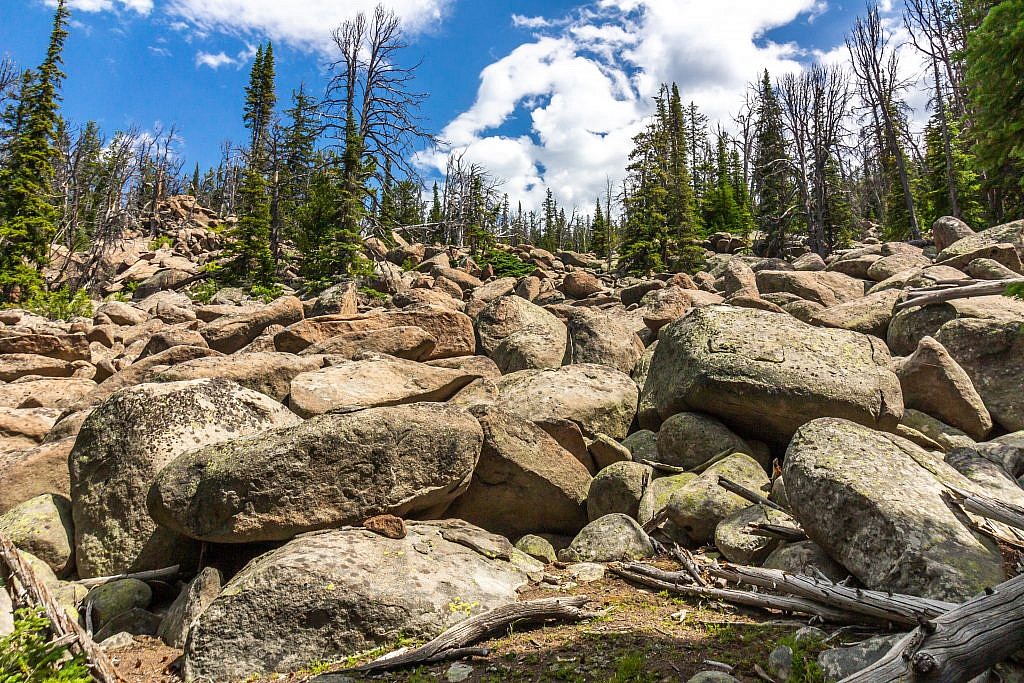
(541, 92)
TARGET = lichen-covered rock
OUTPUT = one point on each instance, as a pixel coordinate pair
(43, 526)
(805, 557)
(409, 342)
(868, 315)
(612, 538)
(371, 381)
(618, 488)
(524, 482)
(691, 439)
(657, 496)
(738, 545)
(827, 288)
(765, 374)
(911, 325)
(1002, 243)
(605, 338)
(345, 591)
(37, 471)
(117, 597)
(330, 471)
(698, 506)
(874, 502)
(537, 547)
(189, 606)
(948, 230)
(519, 335)
(122, 446)
(267, 373)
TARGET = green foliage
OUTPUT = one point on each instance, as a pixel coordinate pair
(505, 264)
(249, 240)
(60, 304)
(266, 293)
(204, 291)
(632, 668)
(373, 293)
(161, 242)
(26, 655)
(1016, 290)
(949, 172)
(995, 75)
(772, 176)
(805, 663)
(328, 225)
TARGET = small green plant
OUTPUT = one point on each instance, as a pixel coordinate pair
(27, 655)
(266, 293)
(805, 660)
(60, 304)
(505, 264)
(1016, 290)
(460, 605)
(567, 671)
(373, 293)
(131, 286)
(161, 242)
(204, 291)
(632, 668)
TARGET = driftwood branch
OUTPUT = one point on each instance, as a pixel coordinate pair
(747, 494)
(662, 467)
(151, 575)
(926, 298)
(990, 508)
(64, 628)
(958, 645)
(788, 534)
(453, 642)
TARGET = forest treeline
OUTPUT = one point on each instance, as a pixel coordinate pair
(808, 160)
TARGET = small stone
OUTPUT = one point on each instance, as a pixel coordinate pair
(780, 662)
(117, 597)
(118, 641)
(810, 634)
(387, 526)
(712, 677)
(537, 548)
(586, 572)
(459, 672)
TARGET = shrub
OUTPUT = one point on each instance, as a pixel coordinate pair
(266, 293)
(161, 242)
(26, 656)
(204, 291)
(60, 304)
(505, 264)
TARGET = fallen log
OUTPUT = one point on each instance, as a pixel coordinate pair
(649, 576)
(453, 642)
(788, 534)
(65, 629)
(919, 298)
(150, 575)
(748, 495)
(990, 508)
(958, 645)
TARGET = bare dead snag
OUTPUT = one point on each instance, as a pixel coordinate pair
(958, 645)
(926, 298)
(64, 628)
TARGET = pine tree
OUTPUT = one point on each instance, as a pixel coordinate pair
(645, 242)
(28, 216)
(329, 244)
(599, 242)
(249, 239)
(680, 211)
(940, 171)
(772, 177)
(260, 100)
(721, 211)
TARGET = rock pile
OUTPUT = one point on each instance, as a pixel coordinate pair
(566, 414)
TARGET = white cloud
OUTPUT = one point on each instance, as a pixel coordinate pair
(214, 61)
(159, 51)
(143, 7)
(586, 84)
(301, 23)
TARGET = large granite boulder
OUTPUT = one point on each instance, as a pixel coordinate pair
(875, 503)
(329, 471)
(604, 338)
(122, 446)
(344, 591)
(827, 288)
(765, 374)
(267, 373)
(1002, 243)
(698, 505)
(525, 481)
(231, 333)
(519, 335)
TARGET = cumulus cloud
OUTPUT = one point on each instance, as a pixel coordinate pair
(143, 7)
(586, 83)
(213, 61)
(301, 23)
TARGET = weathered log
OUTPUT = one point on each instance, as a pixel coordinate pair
(789, 534)
(685, 558)
(958, 645)
(454, 640)
(62, 625)
(990, 508)
(951, 293)
(654, 578)
(662, 467)
(748, 495)
(150, 575)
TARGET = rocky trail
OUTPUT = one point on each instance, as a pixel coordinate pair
(330, 475)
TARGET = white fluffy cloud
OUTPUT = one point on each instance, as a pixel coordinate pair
(586, 85)
(301, 23)
(140, 6)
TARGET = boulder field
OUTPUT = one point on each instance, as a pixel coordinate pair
(348, 466)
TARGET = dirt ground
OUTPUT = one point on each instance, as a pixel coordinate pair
(642, 637)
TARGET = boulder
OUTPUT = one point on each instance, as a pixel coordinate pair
(765, 374)
(875, 503)
(452, 330)
(691, 439)
(809, 262)
(642, 445)
(805, 557)
(612, 538)
(524, 482)
(332, 470)
(597, 398)
(343, 592)
(34, 472)
(339, 299)
(43, 526)
(839, 662)
(618, 488)
(177, 336)
(991, 352)
(910, 325)
(16, 365)
(739, 280)
(580, 284)
(372, 381)
(633, 294)
(121, 313)
(537, 547)
(408, 342)
(657, 496)
(44, 393)
(738, 545)
(67, 347)
(856, 264)
(266, 372)
(934, 383)
(231, 333)
(827, 288)
(604, 338)
(1002, 243)
(868, 315)
(893, 264)
(114, 598)
(122, 446)
(662, 306)
(949, 230)
(698, 506)
(519, 335)
(605, 451)
(23, 428)
(190, 604)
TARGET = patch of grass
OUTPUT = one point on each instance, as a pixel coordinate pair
(566, 671)
(373, 293)
(632, 668)
(266, 293)
(805, 660)
(161, 242)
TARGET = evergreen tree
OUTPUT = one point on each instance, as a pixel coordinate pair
(721, 211)
(680, 211)
(249, 239)
(326, 238)
(645, 242)
(772, 178)
(28, 215)
(260, 100)
(837, 210)
(995, 58)
(600, 243)
(940, 171)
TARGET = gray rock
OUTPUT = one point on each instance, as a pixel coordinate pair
(117, 597)
(524, 481)
(875, 503)
(840, 662)
(742, 547)
(766, 374)
(798, 558)
(189, 606)
(332, 470)
(43, 526)
(712, 677)
(604, 338)
(346, 591)
(519, 335)
(537, 547)
(1001, 243)
(122, 446)
(691, 439)
(267, 373)
(618, 488)
(136, 622)
(698, 506)
(642, 445)
(612, 538)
